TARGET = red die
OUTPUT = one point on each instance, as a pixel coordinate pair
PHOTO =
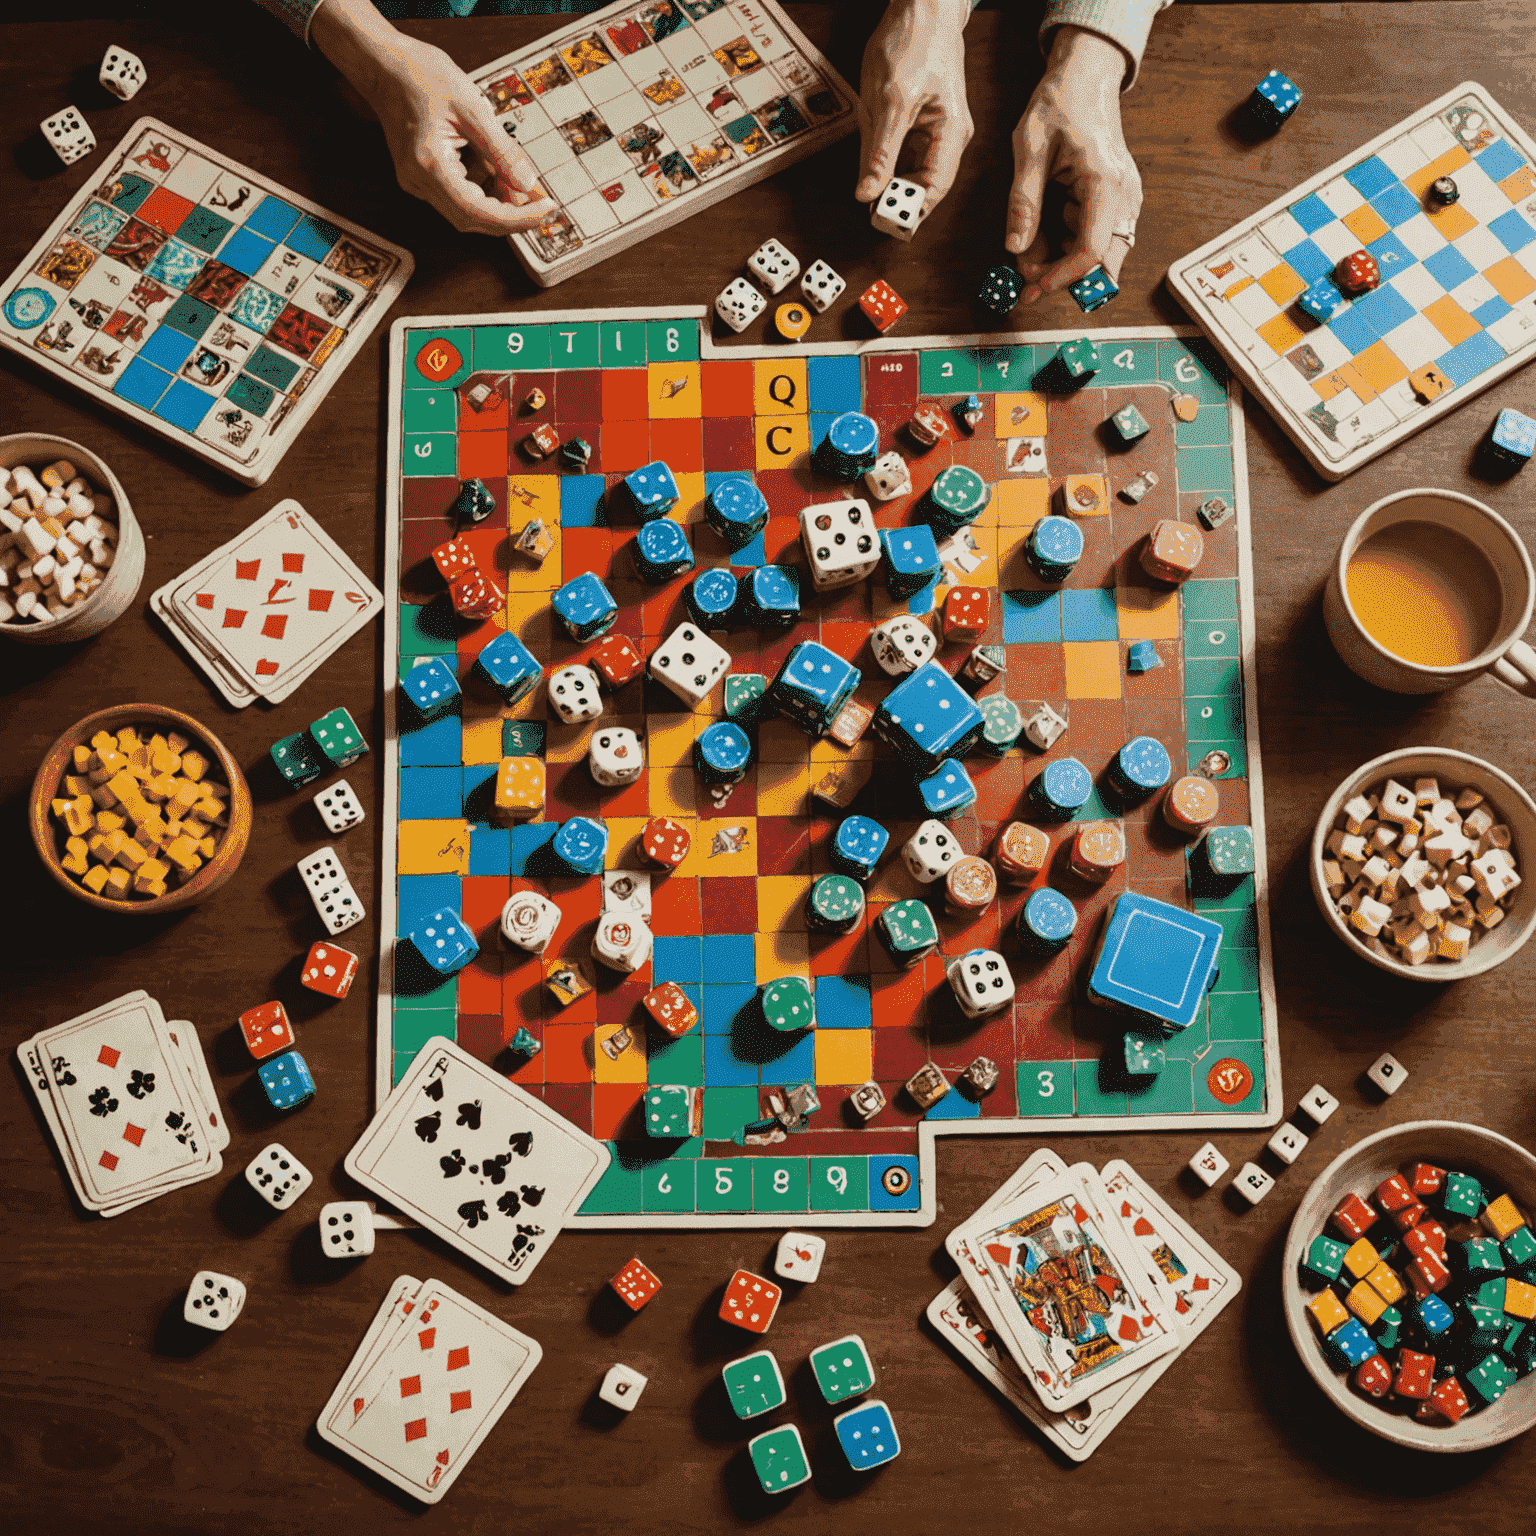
(1427, 1274)
(474, 595)
(616, 661)
(882, 304)
(266, 1029)
(671, 1008)
(328, 968)
(1393, 1194)
(454, 558)
(1439, 1239)
(1374, 1377)
(1420, 1239)
(929, 425)
(635, 1284)
(1359, 273)
(1353, 1218)
(750, 1301)
(1448, 1399)
(966, 613)
(1415, 1375)
(665, 842)
(1427, 1179)
(541, 442)
(1409, 1216)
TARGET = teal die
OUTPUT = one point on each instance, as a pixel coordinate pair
(867, 1435)
(1093, 290)
(1229, 851)
(525, 1043)
(1486, 1324)
(754, 1384)
(522, 738)
(1077, 361)
(297, 760)
(1322, 301)
(338, 737)
(1143, 1056)
(1491, 1294)
(1520, 1251)
(1387, 1328)
(1141, 656)
(651, 491)
(473, 504)
(444, 941)
(432, 687)
(835, 904)
(1274, 99)
(1000, 289)
(957, 496)
(1350, 1345)
(743, 695)
(857, 845)
(1324, 1259)
(286, 1081)
(1491, 1378)
(1129, 424)
(843, 1368)
(779, 1459)
(789, 1004)
(1434, 1317)
(1002, 724)
(1463, 1195)
(1481, 1258)
(1513, 440)
(509, 667)
(907, 930)
(668, 1110)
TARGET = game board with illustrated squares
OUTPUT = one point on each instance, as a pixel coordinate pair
(647, 385)
(205, 301)
(1456, 307)
(638, 116)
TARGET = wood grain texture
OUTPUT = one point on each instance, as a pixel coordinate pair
(113, 1413)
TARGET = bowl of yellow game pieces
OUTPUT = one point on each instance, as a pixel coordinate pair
(139, 808)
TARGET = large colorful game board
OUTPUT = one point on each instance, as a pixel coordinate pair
(207, 302)
(1456, 308)
(647, 385)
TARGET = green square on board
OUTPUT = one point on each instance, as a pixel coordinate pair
(622, 343)
(620, 1191)
(671, 341)
(574, 344)
(499, 347)
(1001, 369)
(429, 453)
(780, 1184)
(668, 1186)
(943, 372)
(429, 410)
(1046, 1088)
(724, 1186)
(839, 1183)
(1093, 1099)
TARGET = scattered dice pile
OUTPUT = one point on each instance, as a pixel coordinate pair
(776, 267)
(140, 812)
(59, 541)
(1435, 1315)
(1420, 874)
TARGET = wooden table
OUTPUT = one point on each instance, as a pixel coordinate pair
(111, 1418)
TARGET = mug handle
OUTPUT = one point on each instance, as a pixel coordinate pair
(1516, 669)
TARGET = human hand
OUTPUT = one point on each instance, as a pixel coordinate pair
(912, 84)
(1071, 133)
(430, 111)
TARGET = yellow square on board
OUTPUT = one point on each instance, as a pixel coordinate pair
(1451, 320)
(1356, 383)
(533, 496)
(1502, 1217)
(1366, 1303)
(1023, 414)
(778, 387)
(624, 842)
(690, 497)
(1327, 1312)
(1330, 384)
(671, 790)
(781, 903)
(526, 576)
(433, 847)
(1520, 184)
(783, 789)
(1021, 502)
(706, 859)
(1147, 613)
(1510, 280)
(1380, 367)
(1365, 224)
(1280, 332)
(781, 954)
(1452, 221)
(1283, 284)
(672, 390)
(669, 739)
(1447, 165)
(844, 1057)
(1093, 669)
(630, 1067)
(781, 440)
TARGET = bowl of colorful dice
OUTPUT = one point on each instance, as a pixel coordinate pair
(1409, 1285)
(1467, 808)
(140, 809)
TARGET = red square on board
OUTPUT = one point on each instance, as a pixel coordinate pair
(164, 210)
(616, 1110)
(626, 446)
(729, 447)
(623, 396)
(579, 394)
(483, 454)
(680, 443)
(727, 389)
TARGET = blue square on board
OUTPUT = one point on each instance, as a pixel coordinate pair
(730, 957)
(889, 1191)
(843, 1002)
(1392, 256)
(438, 743)
(1371, 176)
(724, 1003)
(1463, 364)
(142, 383)
(1155, 958)
(273, 218)
(1311, 213)
(677, 959)
(1354, 330)
(422, 895)
(1498, 160)
(1031, 616)
(1384, 309)
(798, 1063)
(531, 842)
(833, 385)
(1396, 205)
(184, 406)
(313, 237)
(1513, 231)
(477, 791)
(490, 851)
(246, 252)
(1089, 613)
(581, 502)
(1307, 261)
(1492, 310)
(430, 794)
(1449, 268)
(723, 1068)
(167, 348)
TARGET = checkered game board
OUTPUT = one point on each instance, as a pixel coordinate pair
(647, 385)
(1456, 308)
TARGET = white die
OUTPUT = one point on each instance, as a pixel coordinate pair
(981, 982)
(69, 135)
(740, 304)
(622, 941)
(773, 266)
(1252, 1183)
(278, 1176)
(122, 73)
(840, 542)
(930, 851)
(615, 756)
(689, 663)
(1208, 1165)
(799, 1256)
(821, 286)
(899, 208)
(902, 644)
(1288, 1144)
(339, 808)
(622, 1387)
(1388, 1073)
(573, 694)
(529, 920)
(627, 890)
(1319, 1104)
(889, 477)
(213, 1300)
(346, 1229)
(1044, 726)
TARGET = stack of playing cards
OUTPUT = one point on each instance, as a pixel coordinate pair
(129, 1101)
(260, 613)
(1077, 1290)
(475, 1159)
(430, 1378)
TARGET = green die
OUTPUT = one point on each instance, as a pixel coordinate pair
(669, 1110)
(1491, 1379)
(961, 493)
(1388, 1326)
(297, 760)
(1144, 1056)
(1078, 360)
(1463, 1194)
(1129, 424)
(843, 1368)
(1523, 1352)
(789, 1004)
(522, 738)
(754, 1384)
(1491, 1294)
(779, 1459)
(1520, 1249)
(1487, 1331)
(1229, 851)
(835, 905)
(1324, 1258)
(908, 931)
(338, 737)
(1482, 1257)
(742, 692)
(473, 504)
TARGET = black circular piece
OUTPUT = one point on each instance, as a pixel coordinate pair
(1443, 191)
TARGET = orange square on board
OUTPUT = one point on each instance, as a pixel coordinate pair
(1519, 184)
(1510, 280)
(1452, 221)
(1365, 224)
(1093, 669)
(565, 1055)
(1380, 367)
(624, 394)
(727, 389)
(1281, 332)
(1451, 320)
(614, 1109)
(1447, 165)
(482, 455)
(626, 445)
(1282, 284)
(679, 443)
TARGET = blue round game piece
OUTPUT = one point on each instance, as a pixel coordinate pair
(27, 308)
(711, 597)
(1141, 766)
(773, 596)
(736, 510)
(1003, 724)
(851, 446)
(721, 753)
(857, 846)
(1061, 789)
(581, 845)
(1054, 547)
(662, 551)
(1047, 921)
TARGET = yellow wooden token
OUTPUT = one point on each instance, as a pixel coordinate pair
(792, 321)
(1098, 851)
(1186, 407)
(1192, 803)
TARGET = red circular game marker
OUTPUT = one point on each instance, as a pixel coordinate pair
(1229, 1081)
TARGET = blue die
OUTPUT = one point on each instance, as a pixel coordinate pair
(722, 752)
(1046, 922)
(928, 717)
(948, 791)
(1054, 547)
(1350, 1345)
(812, 685)
(1322, 301)
(772, 597)
(444, 942)
(286, 1080)
(1514, 438)
(662, 551)
(1093, 291)
(1434, 1315)
(851, 446)
(509, 667)
(585, 606)
(1141, 656)
(711, 597)
(867, 1435)
(431, 687)
(581, 845)
(911, 558)
(1274, 98)
(857, 846)
(1139, 767)
(652, 491)
(736, 510)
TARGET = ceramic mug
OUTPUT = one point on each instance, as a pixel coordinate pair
(1507, 656)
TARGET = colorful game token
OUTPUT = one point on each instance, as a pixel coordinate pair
(722, 752)
(851, 446)
(792, 320)
(1093, 291)
(736, 510)
(711, 597)
(1191, 804)
(581, 845)
(957, 496)
(1141, 656)
(907, 930)
(1061, 789)
(585, 606)
(1274, 99)
(1003, 724)
(1140, 768)
(835, 904)
(1046, 921)
(1053, 548)
(1098, 850)
(662, 551)
(772, 597)
(1022, 851)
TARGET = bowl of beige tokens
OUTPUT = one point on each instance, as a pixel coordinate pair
(71, 550)
(1448, 892)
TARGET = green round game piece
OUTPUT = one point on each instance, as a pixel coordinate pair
(957, 497)
(1003, 724)
(835, 904)
(789, 1004)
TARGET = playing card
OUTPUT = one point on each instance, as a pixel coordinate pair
(1033, 1170)
(477, 1160)
(184, 1037)
(398, 1303)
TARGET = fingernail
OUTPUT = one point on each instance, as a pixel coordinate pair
(1031, 294)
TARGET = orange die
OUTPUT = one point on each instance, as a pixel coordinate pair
(671, 1008)
(1394, 1193)
(966, 612)
(1415, 1375)
(1448, 1399)
(1022, 851)
(750, 1301)
(266, 1029)
(616, 661)
(329, 969)
(1427, 1179)
(1172, 551)
(1352, 1217)
(541, 442)
(453, 558)
(882, 305)
(474, 595)
(635, 1284)
(665, 841)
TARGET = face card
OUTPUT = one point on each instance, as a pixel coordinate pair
(1037, 1169)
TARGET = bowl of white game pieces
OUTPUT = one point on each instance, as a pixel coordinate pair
(71, 551)
(1417, 863)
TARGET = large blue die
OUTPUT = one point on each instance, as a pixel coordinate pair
(651, 490)
(581, 845)
(1322, 301)
(662, 551)
(711, 596)
(812, 685)
(857, 846)
(432, 687)
(1155, 959)
(928, 717)
(286, 1080)
(772, 596)
(509, 667)
(1274, 98)
(948, 791)
(444, 941)
(911, 558)
(867, 1435)
(585, 606)
(736, 510)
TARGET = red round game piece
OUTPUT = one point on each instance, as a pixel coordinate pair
(1098, 851)
(1022, 851)
(1358, 273)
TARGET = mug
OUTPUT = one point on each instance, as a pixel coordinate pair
(1507, 657)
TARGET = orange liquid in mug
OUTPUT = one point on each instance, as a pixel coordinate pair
(1426, 593)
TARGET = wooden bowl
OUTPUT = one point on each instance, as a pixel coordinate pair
(1492, 1158)
(49, 835)
(1515, 809)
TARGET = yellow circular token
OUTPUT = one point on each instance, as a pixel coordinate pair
(792, 321)
(1191, 803)
(1186, 407)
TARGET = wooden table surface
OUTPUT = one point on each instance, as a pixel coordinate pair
(110, 1416)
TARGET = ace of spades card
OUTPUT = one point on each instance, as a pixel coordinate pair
(476, 1159)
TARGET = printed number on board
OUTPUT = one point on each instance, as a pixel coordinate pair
(1125, 358)
(837, 1177)
(723, 1182)
(1047, 1084)
(514, 342)
(781, 1181)
(1186, 372)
